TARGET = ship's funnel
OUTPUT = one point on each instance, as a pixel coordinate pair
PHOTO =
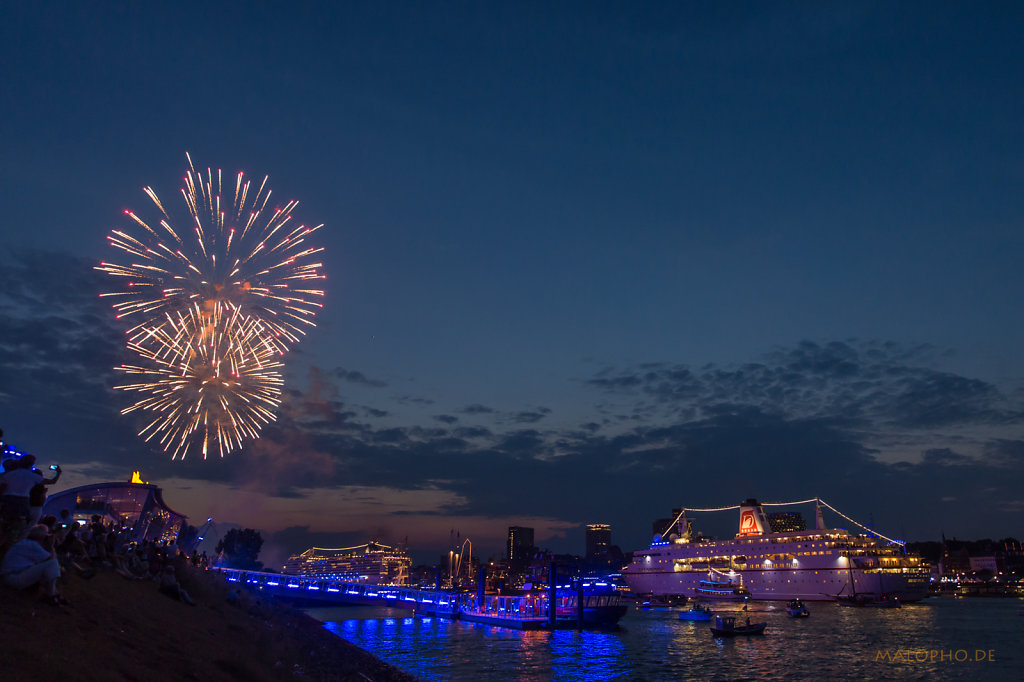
(752, 519)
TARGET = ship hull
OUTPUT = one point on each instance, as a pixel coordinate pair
(812, 565)
(808, 584)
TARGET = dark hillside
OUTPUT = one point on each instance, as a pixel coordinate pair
(119, 629)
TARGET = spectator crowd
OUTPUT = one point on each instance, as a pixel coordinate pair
(37, 551)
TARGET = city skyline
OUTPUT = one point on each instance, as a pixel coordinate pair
(584, 263)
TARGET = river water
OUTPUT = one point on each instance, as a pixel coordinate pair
(940, 638)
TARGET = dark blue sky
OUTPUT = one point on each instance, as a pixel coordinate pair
(585, 263)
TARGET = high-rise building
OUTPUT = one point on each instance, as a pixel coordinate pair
(520, 543)
(785, 522)
(599, 538)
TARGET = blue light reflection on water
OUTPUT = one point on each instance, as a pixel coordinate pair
(834, 643)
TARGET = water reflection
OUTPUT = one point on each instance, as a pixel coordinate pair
(603, 652)
(835, 642)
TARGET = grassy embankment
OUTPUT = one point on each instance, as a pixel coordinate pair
(117, 629)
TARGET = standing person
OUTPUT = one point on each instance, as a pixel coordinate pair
(98, 540)
(18, 478)
(6, 520)
(37, 495)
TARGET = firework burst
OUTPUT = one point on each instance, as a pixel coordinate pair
(211, 308)
(235, 252)
(205, 382)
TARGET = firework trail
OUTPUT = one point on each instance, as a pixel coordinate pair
(211, 310)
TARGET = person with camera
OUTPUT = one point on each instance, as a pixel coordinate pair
(17, 481)
(37, 494)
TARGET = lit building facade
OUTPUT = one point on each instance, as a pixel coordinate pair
(599, 539)
(520, 543)
(138, 506)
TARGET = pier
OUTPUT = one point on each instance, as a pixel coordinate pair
(588, 604)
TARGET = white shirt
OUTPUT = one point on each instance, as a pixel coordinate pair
(22, 555)
(20, 481)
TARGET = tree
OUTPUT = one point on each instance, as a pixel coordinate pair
(240, 548)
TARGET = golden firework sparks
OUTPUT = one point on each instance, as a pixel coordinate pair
(206, 381)
(211, 309)
(237, 252)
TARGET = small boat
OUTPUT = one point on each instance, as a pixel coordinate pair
(886, 602)
(662, 601)
(796, 609)
(725, 626)
(696, 612)
(869, 600)
(720, 590)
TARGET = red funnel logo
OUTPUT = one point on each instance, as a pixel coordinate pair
(748, 524)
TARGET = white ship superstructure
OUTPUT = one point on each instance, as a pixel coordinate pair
(818, 564)
(372, 563)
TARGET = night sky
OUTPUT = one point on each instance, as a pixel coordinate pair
(585, 262)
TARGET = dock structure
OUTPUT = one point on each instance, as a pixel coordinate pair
(594, 604)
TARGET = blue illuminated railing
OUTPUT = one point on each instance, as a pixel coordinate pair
(333, 589)
(534, 606)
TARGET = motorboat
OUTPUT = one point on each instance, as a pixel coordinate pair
(698, 612)
(725, 626)
(796, 609)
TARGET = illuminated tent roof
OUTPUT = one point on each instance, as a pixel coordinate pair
(137, 505)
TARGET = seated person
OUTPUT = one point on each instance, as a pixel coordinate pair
(169, 586)
(72, 547)
(63, 526)
(121, 558)
(136, 563)
(29, 563)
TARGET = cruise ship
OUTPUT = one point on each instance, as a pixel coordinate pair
(819, 564)
(372, 564)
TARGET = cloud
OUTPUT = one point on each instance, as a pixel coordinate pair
(412, 400)
(1004, 453)
(284, 463)
(469, 432)
(357, 377)
(793, 424)
(945, 457)
(872, 383)
(530, 416)
(58, 347)
(477, 409)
